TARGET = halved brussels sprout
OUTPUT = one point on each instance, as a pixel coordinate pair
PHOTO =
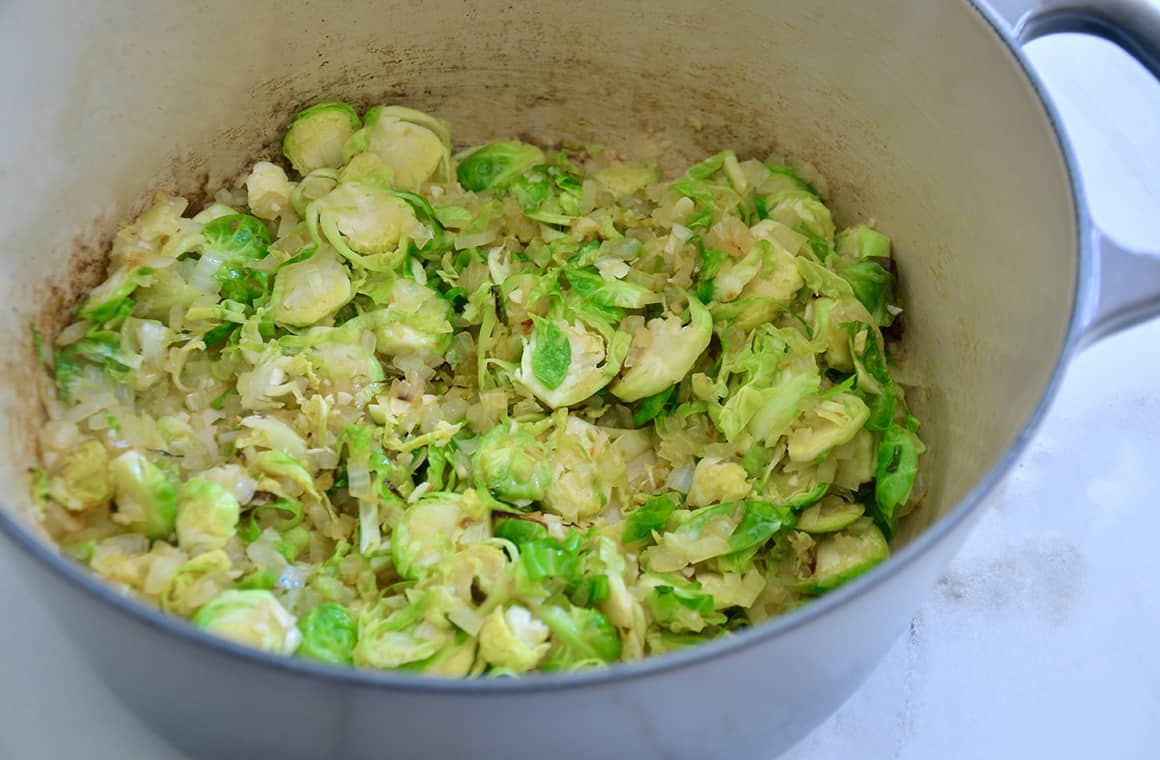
(110, 298)
(513, 638)
(680, 605)
(317, 135)
(829, 515)
(733, 589)
(268, 191)
(827, 423)
(253, 617)
(427, 534)
(862, 242)
(856, 461)
(624, 179)
(829, 319)
(580, 637)
(895, 472)
(618, 293)
(564, 362)
(81, 481)
(413, 144)
(146, 499)
(404, 637)
(719, 531)
(455, 660)
(496, 165)
(845, 555)
(310, 291)
(800, 207)
(778, 373)
(715, 481)
(207, 516)
(364, 223)
(578, 489)
(513, 466)
(662, 353)
(651, 516)
(329, 634)
(415, 321)
(234, 239)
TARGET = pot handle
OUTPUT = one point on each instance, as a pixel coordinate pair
(1126, 284)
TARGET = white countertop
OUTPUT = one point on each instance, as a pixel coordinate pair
(1042, 640)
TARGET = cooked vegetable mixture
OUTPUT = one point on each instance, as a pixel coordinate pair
(480, 414)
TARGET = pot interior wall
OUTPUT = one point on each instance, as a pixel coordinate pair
(915, 112)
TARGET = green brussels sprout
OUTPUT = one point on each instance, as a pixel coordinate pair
(715, 481)
(310, 291)
(829, 319)
(614, 293)
(268, 191)
(732, 277)
(895, 472)
(412, 144)
(856, 461)
(734, 528)
(426, 534)
(513, 466)
(404, 637)
(822, 281)
(197, 582)
(625, 179)
(651, 516)
(346, 367)
(496, 165)
(778, 279)
(81, 481)
(779, 177)
(874, 287)
(565, 362)
(578, 489)
(766, 411)
(680, 605)
(293, 479)
(329, 634)
(663, 352)
(512, 638)
(862, 242)
(414, 321)
(581, 637)
(364, 223)
(769, 380)
(829, 515)
(829, 422)
(253, 617)
(795, 208)
(207, 516)
(520, 531)
(235, 238)
(455, 660)
(733, 589)
(146, 500)
(317, 135)
(110, 299)
(842, 556)
(233, 241)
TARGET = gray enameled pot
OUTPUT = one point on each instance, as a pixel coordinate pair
(922, 114)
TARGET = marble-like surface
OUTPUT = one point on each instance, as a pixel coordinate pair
(1041, 640)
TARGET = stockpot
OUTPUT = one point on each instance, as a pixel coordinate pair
(922, 114)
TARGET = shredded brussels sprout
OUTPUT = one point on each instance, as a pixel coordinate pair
(486, 413)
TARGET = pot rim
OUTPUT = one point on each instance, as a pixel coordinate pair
(746, 638)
